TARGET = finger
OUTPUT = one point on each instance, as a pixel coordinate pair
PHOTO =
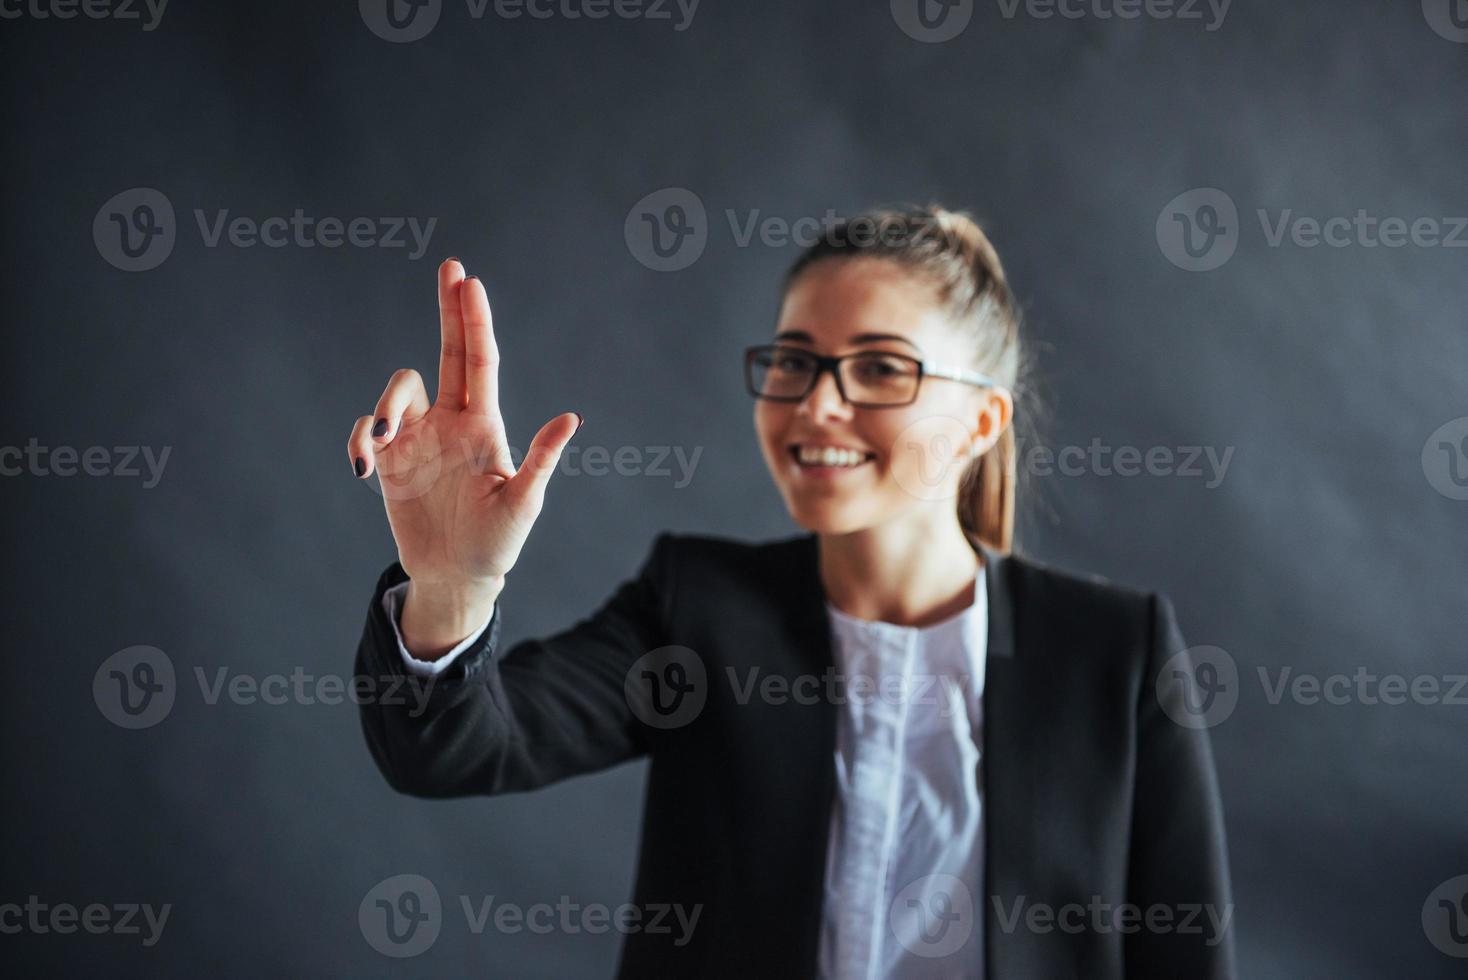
(481, 353)
(529, 483)
(359, 447)
(404, 400)
(451, 335)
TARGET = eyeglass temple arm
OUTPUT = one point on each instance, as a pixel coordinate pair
(955, 374)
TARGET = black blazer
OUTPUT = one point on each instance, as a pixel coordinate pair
(1091, 793)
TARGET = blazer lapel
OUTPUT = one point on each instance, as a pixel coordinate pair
(810, 734)
(1007, 828)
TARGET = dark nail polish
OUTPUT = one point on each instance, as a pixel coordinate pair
(380, 429)
(579, 421)
(360, 466)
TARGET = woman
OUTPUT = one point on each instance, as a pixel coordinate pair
(884, 748)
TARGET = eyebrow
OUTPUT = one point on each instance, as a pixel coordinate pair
(800, 336)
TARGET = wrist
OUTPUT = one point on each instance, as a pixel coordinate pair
(436, 617)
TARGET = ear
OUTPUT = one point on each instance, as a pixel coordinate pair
(996, 412)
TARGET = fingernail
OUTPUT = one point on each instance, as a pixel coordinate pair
(452, 258)
(467, 278)
(380, 429)
(579, 421)
(360, 466)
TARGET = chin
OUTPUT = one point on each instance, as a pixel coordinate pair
(829, 517)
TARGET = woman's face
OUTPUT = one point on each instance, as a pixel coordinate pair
(908, 460)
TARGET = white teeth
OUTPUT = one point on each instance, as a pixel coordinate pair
(830, 456)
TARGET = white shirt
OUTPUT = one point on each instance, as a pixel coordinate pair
(905, 866)
(905, 862)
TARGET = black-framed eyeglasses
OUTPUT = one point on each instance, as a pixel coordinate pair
(865, 379)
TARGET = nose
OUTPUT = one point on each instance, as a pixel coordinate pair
(824, 401)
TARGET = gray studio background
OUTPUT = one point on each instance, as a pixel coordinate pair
(1332, 542)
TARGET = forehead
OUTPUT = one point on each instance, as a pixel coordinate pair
(835, 302)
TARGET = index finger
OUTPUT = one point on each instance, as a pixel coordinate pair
(451, 384)
(481, 353)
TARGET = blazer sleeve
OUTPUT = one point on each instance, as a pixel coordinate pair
(1179, 857)
(505, 720)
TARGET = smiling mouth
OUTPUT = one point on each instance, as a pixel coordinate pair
(809, 457)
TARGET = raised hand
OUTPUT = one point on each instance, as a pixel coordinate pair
(459, 509)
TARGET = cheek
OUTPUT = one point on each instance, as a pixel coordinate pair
(924, 445)
(770, 422)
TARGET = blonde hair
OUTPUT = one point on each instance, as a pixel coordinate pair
(950, 249)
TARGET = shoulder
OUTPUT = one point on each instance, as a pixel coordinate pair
(1090, 608)
(1072, 588)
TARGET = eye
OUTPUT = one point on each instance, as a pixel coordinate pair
(877, 368)
(790, 361)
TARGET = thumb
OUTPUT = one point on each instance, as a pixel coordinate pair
(529, 482)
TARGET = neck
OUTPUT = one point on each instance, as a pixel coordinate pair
(911, 573)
